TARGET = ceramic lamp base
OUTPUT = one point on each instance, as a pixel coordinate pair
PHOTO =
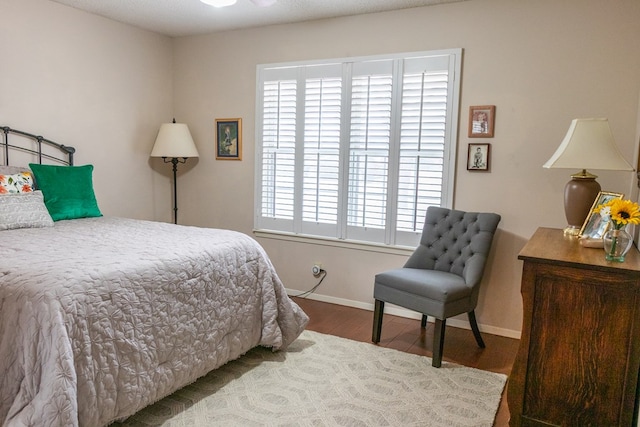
(579, 195)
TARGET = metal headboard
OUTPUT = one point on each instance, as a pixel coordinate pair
(65, 156)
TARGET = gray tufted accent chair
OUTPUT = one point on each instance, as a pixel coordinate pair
(442, 277)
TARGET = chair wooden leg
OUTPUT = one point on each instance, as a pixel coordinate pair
(474, 328)
(423, 322)
(438, 342)
(377, 321)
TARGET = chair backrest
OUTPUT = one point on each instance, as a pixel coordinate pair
(456, 242)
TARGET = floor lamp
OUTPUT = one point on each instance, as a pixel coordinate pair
(588, 144)
(175, 145)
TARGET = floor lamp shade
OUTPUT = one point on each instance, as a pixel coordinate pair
(174, 140)
(588, 144)
(175, 145)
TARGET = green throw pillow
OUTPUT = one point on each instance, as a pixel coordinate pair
(68, 190)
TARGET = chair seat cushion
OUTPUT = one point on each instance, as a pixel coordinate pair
(432, 284)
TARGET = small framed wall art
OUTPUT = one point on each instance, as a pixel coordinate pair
(229, 139)
(481, 121)
(478, 157)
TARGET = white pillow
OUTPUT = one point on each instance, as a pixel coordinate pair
(23, 210)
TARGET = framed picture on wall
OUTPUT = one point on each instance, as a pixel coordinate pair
(481, 121)
(594, 226)
(229, 139)
(478, 157)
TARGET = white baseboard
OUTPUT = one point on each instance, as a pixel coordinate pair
(402, 312)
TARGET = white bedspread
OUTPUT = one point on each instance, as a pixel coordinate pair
(100, 317)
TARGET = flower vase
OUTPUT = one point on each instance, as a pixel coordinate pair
(616, 244)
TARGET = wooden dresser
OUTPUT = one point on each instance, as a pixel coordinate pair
(579, 355)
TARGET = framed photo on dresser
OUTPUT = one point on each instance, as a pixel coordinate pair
(594, 226)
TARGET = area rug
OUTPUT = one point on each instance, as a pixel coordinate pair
(323, 380)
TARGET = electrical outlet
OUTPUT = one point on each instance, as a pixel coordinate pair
(316, 269)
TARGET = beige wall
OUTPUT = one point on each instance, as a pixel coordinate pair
(105, 87)
(100, 86)
(542, 63)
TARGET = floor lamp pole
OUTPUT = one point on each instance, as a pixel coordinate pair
(174, 161)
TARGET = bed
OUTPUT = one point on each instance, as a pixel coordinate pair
(101, 316)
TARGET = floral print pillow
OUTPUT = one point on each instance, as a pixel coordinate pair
(16, 183)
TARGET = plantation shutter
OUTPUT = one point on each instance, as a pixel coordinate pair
(423, 150)
(278, 126)
(369, 145)
(321, 155)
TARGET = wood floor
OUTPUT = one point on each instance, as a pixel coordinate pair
(406, 335)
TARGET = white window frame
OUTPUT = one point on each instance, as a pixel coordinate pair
(340, 233)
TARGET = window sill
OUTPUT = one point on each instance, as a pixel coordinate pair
(325, 241)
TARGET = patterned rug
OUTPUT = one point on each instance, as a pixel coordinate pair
(323, 380)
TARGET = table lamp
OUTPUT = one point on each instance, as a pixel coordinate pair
(588, 144)
(174, 144)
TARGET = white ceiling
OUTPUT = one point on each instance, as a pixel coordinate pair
(190, 17)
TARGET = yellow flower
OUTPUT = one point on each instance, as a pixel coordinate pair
(620, 212)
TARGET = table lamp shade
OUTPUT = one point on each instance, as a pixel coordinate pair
(174, 140)
(588, 144)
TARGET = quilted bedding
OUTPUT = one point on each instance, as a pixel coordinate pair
(100, 317)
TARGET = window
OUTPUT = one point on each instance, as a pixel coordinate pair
(356, 149)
